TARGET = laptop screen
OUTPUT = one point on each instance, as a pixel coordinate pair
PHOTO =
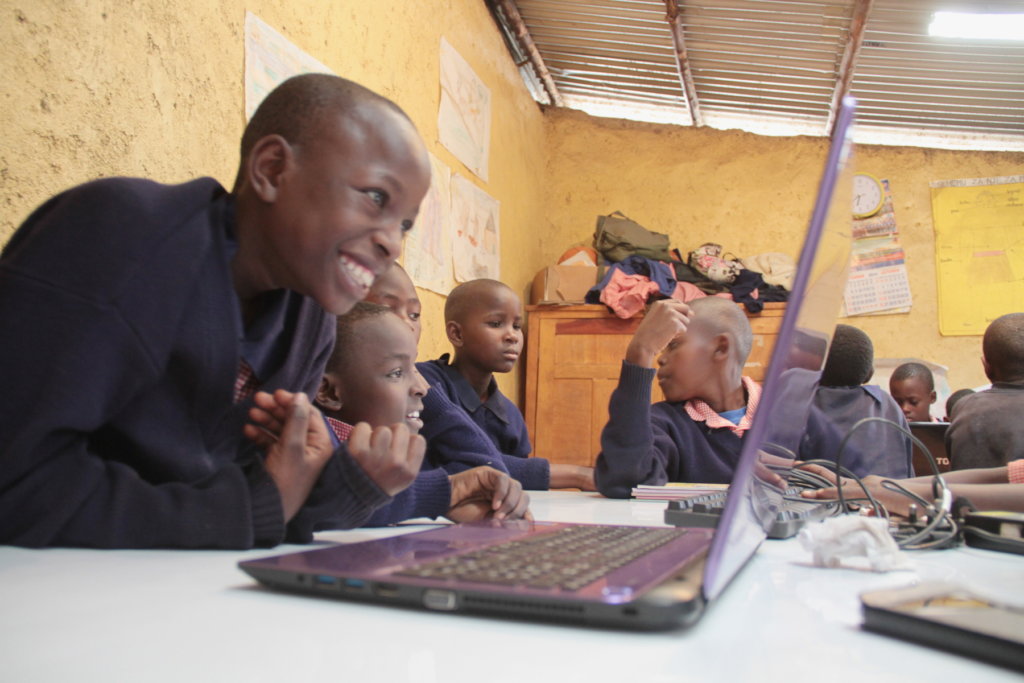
(770, 446)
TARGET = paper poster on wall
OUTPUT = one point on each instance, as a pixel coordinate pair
(878, 282)
(428, 246)
(475, 234)
(269, 59)
(464, 117)
(979, 251)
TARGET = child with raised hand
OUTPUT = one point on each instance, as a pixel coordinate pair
(912, 385)
(138, 351)
(483, 321)
(696, 433)
(371, 385)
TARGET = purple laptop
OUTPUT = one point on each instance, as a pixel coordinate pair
(609, 575)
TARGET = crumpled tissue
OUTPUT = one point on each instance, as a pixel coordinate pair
(849, 540)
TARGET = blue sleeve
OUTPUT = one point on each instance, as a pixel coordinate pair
(635, 448)
(428, 496)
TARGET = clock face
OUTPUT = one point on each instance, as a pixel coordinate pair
(868, 195)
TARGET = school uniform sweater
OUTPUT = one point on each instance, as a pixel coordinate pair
(428, 496)
(987, 429)
(121, 348)
(875, 448)
(462, 432)
(655, 444)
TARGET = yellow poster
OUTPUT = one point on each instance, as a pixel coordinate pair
(979, 251)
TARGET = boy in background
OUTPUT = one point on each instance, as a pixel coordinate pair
(483, 321)
(842, 399)
(151, 319)
(370, 384)
(696, 433)
(987, 428)
(912, 385)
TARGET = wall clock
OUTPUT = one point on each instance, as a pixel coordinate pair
(868, 195)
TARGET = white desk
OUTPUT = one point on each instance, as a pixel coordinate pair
(83, 615)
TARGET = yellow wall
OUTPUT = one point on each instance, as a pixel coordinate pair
(154, 88)
(753, 194)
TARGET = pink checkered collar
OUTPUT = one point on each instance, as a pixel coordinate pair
(342, 430)
(699, 411)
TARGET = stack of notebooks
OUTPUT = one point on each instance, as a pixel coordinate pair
(675, 491)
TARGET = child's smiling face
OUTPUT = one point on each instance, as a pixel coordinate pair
(380, 384)
(341, 205)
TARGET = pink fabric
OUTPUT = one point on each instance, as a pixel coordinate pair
(342, 430)
(627, 294)
(699, 411)
(1015, 471)
(687, 291)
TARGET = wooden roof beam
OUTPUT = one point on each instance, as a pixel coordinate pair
(683, 61)
(854, 42)
(522, 34)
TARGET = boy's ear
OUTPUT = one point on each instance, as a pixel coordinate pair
(268, 160)
(327, 394)
(721, 346)
(454, 332)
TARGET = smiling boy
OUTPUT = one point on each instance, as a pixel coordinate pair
(148, 316)
(695, 434)
(371, 382)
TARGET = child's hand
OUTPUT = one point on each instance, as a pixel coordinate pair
(662, 322)
(483, 492)
(390, 456)
(572, 477)
(296, 441)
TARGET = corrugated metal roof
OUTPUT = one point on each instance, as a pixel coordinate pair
(775, 65)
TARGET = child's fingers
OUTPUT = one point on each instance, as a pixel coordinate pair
(259, 436)
(264, 420)
(293, 435)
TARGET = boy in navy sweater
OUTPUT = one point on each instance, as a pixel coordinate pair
(483, 321)
(842, 399)
(695, 434)
(147, 317)
(371, 382)
(912, 385)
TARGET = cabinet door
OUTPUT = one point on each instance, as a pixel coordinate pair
(578, 363)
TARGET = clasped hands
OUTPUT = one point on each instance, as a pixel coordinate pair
(294, 436)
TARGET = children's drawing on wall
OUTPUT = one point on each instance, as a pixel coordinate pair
(878, 281)
(464, 117)
(476, 237)
(428, 247)
(979, 251)
(269, 59)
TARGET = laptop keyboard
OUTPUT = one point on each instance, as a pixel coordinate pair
(568, 558)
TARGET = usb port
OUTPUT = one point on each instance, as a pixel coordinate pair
(386, 590)
(325, 580)
(354, 584)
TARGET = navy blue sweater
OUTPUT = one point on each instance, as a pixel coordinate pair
(462, 432)
(118, 361)
(655, 444)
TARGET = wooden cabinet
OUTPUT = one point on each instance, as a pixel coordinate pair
(573, 356)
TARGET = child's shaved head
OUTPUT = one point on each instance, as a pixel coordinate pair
(1003, 346)
(348, 331)
(297, 109)
(714, 315)
(466, 297)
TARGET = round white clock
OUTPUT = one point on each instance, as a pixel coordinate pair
(868, 195)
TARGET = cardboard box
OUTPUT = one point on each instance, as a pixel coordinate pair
(563, 284)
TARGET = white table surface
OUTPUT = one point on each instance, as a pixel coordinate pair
(86, 615)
